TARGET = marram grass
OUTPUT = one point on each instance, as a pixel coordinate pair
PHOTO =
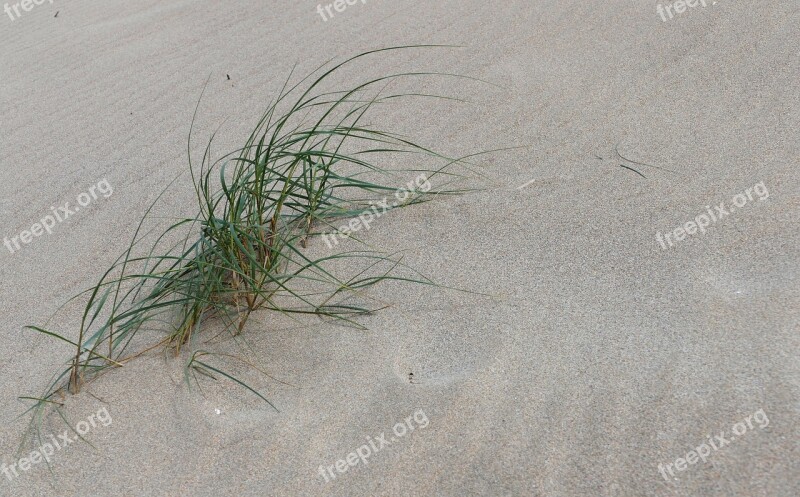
(309, 162)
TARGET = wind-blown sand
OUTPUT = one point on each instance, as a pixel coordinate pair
(596, 355)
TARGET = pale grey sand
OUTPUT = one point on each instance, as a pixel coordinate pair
(597, 356)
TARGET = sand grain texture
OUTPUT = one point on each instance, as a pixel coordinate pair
(597, 355)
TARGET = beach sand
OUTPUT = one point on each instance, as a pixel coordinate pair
(588, 354)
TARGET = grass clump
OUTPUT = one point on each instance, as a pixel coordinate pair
(309, 162)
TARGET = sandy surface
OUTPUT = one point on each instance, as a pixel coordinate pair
(596, 356)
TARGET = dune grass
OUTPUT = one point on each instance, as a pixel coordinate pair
(309, 162)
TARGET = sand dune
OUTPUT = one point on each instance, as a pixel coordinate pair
(589, 354)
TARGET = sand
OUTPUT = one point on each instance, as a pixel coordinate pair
(590, 354)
